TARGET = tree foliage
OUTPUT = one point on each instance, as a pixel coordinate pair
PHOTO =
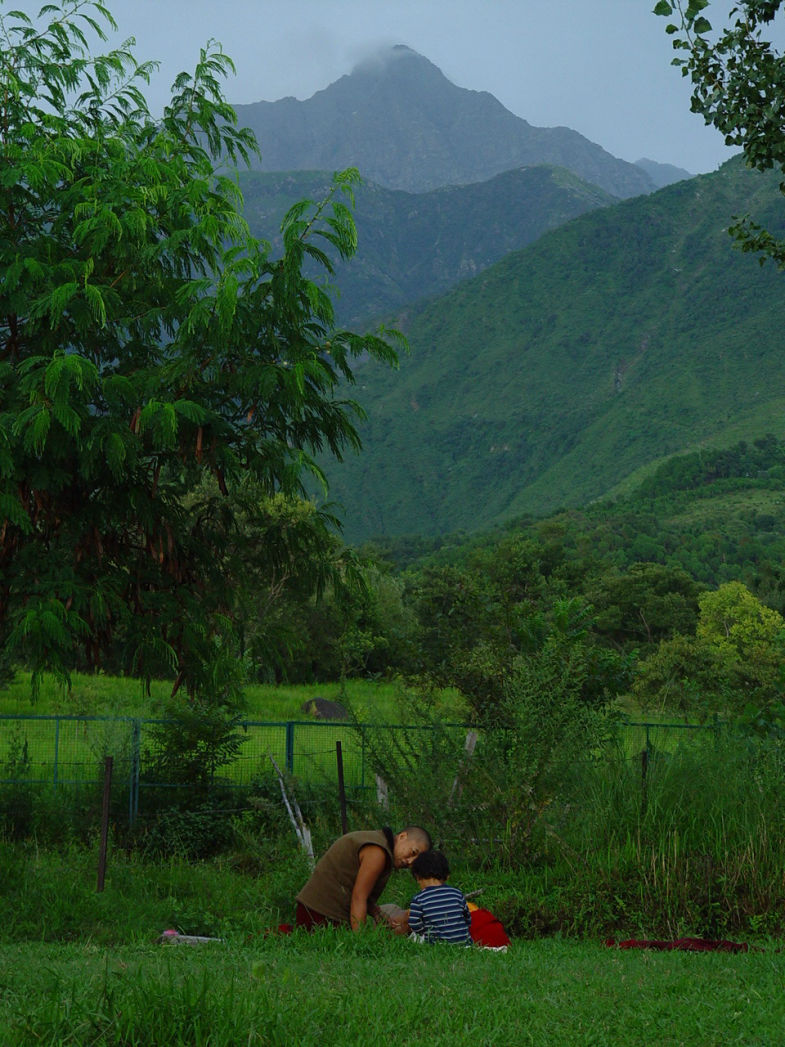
(738, 85)
(732, 662)
(147, 342)
(497, 618)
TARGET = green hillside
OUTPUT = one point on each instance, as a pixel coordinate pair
(414, 245)
(627, 335)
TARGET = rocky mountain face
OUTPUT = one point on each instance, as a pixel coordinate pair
(406, 126)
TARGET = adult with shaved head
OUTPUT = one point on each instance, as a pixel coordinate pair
(345, 886)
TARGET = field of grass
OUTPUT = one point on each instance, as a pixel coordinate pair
(78, 968)
(101, 695)
(332, 988)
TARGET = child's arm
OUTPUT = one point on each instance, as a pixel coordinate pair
(416, 922)
(396, 918)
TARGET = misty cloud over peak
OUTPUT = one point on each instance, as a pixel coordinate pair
(382, 56)
(395, 60)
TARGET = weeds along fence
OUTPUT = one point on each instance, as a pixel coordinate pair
(65, 754)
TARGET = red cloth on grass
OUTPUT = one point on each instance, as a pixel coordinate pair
(486, 930)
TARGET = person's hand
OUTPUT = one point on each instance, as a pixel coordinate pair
(400, 922)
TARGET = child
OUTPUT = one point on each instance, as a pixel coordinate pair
(438, 912)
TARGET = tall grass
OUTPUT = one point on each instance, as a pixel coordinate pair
(696, 846)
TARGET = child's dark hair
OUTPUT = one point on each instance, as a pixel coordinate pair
(430, 865)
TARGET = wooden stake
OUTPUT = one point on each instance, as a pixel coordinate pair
(471, 742)
(108, 762)
(341, 788)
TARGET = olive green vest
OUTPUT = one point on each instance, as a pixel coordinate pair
(329, 890)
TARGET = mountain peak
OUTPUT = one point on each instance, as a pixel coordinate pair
(385, 56)
(397, 62)
(404, 124)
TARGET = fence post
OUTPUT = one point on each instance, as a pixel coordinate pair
(341, 787)
(471, 742)
(133, 790)
(382, 793)
(108, 762)
(290, 746)
(57, 749)
(645, 756)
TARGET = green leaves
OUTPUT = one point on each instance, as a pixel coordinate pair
(738, 84)
(148, 346)
(694, 7)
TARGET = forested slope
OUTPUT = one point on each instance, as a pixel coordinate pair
(629, 334)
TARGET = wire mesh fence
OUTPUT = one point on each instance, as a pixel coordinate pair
(68, 752)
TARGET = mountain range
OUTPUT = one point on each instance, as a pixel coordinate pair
(404, 125)
(570, 324)
(417, 245)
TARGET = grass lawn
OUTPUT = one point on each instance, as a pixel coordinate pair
(338, 989)
(100, 695)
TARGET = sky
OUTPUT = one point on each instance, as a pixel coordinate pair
(601, 67)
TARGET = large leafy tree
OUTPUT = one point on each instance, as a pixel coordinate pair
(148, 343)
(738, 85)
(734, 660)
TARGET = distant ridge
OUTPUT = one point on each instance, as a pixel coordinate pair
(569, 368)
(406, 126)
(662, 174)
(416, 245)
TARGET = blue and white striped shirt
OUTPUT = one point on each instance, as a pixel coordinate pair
(440, 914)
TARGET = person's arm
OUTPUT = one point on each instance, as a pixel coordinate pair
(373, 862)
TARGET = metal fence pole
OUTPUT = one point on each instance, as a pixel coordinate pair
(290, 746)
(108, 762)
(57, 748)
(133, 790)
(341, 788)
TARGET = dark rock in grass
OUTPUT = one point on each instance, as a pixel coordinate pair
(323, 709)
